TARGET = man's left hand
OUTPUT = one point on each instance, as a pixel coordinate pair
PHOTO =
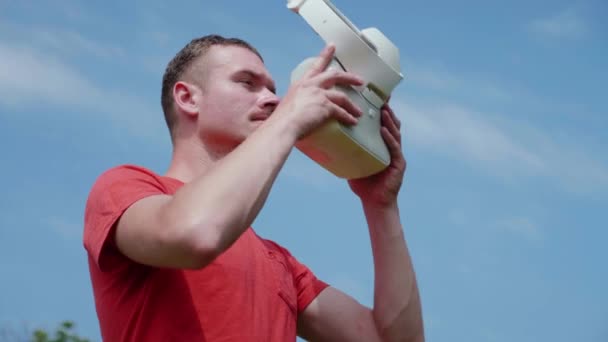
(381, 189)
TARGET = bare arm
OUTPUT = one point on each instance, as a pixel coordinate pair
(397, 309)
(205, 216)
(397, 313)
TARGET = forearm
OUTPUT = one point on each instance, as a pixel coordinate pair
(219, 205)
(397, 309)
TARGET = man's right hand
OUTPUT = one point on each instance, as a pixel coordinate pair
(312, 100)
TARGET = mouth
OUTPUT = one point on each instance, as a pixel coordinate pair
(260, 116)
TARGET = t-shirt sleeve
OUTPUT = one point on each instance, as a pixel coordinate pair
(308, 286)
(112, 193)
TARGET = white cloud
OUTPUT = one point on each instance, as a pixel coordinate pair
(494, 144)
(73, 42)
(31, 79)
(566, 24)
(462, 133)
(503, 147)
(430, 78)
(433, 77)
(470, 219)
(26, 76)
(59, 41)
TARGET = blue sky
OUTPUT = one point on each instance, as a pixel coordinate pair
(504, 114)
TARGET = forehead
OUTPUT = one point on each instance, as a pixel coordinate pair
(231, 59)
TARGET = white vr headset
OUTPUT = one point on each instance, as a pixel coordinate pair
(359, 150)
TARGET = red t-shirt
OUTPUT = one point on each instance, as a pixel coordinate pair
(253, 291)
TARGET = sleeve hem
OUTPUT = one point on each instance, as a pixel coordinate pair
(308, 295)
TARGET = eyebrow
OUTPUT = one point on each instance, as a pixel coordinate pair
(269, 83)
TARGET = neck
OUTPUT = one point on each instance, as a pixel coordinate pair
(192, 158)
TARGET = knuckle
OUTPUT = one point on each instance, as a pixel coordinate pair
(325, 101)
(315, 92)
(343, 98)
(331, 95)
(343, 114)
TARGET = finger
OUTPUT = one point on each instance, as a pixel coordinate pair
(394, 147)
(343, 116)
(393, 115)
(340, 99)
(323, 60)
(389, 123)
(330, 78)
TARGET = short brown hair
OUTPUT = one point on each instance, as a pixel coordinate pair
(182, 61)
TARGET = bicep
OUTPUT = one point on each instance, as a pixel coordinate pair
(335, 316)
(144, 235)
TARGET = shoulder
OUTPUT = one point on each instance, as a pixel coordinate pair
(112, 192)
(123, 175)
(124, 172)
(122, 183)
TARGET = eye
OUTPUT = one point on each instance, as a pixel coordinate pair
(247, 81)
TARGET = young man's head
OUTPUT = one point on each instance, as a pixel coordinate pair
(218, 90)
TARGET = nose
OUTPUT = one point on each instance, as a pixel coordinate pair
(268, 100)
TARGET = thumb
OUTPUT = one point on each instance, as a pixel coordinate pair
(323, 60)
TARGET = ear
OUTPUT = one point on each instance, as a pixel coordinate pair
(184, 97)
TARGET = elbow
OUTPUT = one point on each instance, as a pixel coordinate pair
(197, 238)
(391, 337)
(418, 337)
(405, 327)
(203, 245)
(200, 256)
(196, 243)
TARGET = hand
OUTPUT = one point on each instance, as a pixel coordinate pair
(381, 189)
(311, 101)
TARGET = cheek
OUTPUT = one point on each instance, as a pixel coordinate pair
(230, 102)
(224, 109)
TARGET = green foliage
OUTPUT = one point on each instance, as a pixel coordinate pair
(64, 333)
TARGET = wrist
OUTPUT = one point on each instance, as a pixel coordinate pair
(383, 220)
(375, 206)
(282, 128)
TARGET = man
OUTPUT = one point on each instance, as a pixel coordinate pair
(174, 258)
